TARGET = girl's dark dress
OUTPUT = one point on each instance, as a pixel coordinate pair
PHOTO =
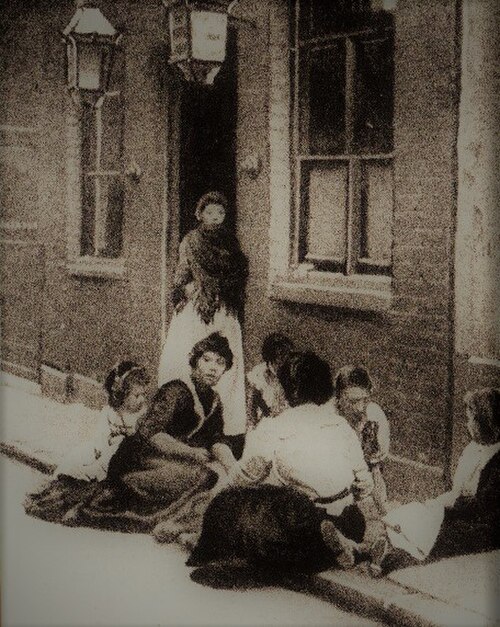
(145, 479)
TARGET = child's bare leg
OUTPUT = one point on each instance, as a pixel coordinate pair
(222, 453)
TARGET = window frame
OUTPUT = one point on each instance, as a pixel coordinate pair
(290, 280)
(79, 264)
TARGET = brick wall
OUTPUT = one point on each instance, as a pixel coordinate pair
(408, 348)
(89, 323)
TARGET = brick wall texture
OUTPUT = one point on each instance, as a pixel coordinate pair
(87, 324)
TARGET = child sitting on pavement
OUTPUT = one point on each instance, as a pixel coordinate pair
(463, 520)
(87, 465)
(353, 391)
(265, 393)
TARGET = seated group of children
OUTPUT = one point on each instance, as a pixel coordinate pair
(468, 509)
(353, 391)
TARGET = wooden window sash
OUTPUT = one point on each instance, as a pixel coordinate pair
(98, 174)
(355, 226)
(296, 139)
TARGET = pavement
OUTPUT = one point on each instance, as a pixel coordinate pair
(462, 591)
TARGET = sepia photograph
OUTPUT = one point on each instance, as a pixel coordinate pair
(250, 339)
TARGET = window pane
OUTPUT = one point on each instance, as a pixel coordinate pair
(326, 212)
(88, 138)
(322, 17)
(112, 133)
(323, 129)
(374, 79)
(88, 216)
(110, 217)
(377, 201)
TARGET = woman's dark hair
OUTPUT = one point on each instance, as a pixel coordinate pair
(306, 378)
(352, 377)
(485, 405)
(276, 346)
(120, 380)
(210, 198)
(214, 343)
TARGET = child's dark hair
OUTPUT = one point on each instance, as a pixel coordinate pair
(352, 376)
(120, 380)
(276, 346)
(485, 405)
(306, 378)
(214, 343)
(210, 198)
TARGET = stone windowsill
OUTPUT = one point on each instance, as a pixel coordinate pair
(359, 292)
(97, 267)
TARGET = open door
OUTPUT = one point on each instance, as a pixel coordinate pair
(207, 141)
(202, 147)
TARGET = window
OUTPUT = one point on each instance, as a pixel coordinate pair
(102, 180)
(342, 135)
(96, 185)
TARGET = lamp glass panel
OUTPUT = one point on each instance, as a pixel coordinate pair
(326, 224)
(89, 66)
(209, 34)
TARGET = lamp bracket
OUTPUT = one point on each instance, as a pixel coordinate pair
(134, 171)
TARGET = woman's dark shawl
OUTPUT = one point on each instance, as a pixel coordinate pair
(213, 260)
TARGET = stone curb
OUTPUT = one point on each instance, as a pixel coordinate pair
(378, 599)
(15, 451)
(391, 602)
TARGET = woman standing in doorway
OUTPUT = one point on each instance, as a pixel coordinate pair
(208, 297)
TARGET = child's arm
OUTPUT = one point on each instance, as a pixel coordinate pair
(222, 454)
(376, 413)
(168, 445)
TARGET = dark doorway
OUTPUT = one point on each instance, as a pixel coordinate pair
(207, 141)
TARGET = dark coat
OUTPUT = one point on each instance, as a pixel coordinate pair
(267, 526)
(144, 482)
(173, 413)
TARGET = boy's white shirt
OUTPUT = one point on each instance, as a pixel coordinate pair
(310, 447)
(375, 413)
(90, 460)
